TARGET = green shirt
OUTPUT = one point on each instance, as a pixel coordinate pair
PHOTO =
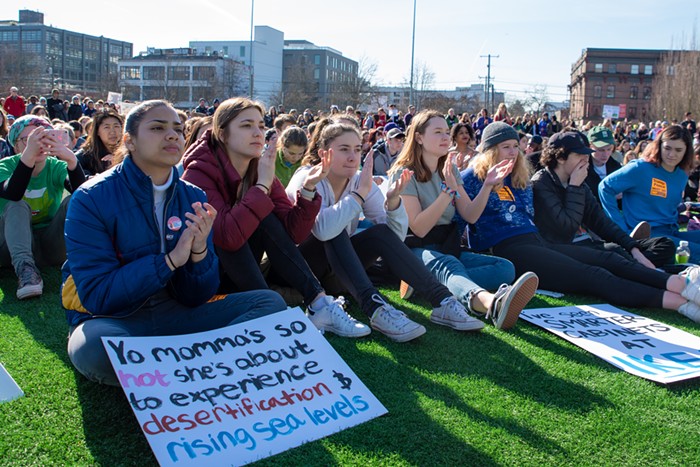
(44, 192)
(284, 169)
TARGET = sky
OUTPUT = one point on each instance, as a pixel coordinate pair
(536, 41)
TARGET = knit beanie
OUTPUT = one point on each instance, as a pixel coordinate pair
(23, 122)
(496, 133)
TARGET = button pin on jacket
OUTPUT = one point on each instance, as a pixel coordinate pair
(174, 223)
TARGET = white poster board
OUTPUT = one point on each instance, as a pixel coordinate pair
(638, 345)
(125, 107)
(114, 98)
(611, 111)
(9, 390)
(241, 393)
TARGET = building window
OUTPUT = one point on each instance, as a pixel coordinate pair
(598, 67)
(648, 69)
(31, 35)
(154, 72)
(153, 92)
(612, 68)
(634, 70)
(179, 72)
(647, 93)
(242, 51)
(130, 72)
(597, 90)
(631, 112)
(317, 73)
(180, 94)
(633, 92)
(204, 73)
(611, 92)
(34, 47)
(9, 36)
(670, 70)
(317, 59)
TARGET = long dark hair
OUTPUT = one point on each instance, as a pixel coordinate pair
(652, 153)
(94, 149)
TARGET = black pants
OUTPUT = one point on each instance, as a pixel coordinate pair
(589, 271)
(241, 270)
(661, 251)
(343, 260)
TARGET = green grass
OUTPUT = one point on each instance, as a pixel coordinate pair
(523, 397)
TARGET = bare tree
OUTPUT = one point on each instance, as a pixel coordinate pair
(357, 90)
(299, 89)
(24, 70)
(423, 81)
(230, 81)
(516, 107)
(676, 81)
(537, 98)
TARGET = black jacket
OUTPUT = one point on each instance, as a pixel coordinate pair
(559, 212)
(593, 179)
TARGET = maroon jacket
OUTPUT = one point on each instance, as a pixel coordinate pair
(15, 107)
(211, 170)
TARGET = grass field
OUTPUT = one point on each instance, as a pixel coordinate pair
(523, 397)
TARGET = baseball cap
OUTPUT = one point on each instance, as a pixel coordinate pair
(572, 141)
(394, 132)
(601, 136)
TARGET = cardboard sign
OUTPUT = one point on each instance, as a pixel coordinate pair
(611, 111)
(638, 345)
(9, 390)
(241, 393)
(114, 98)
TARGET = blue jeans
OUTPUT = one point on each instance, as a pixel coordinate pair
(162, 316)
(468, 274)
(692, 237)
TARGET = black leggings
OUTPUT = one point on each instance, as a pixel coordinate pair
(576, 269)
(242, 269)
(347, 258)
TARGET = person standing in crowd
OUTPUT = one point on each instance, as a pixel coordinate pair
(505, 224)
(214, 105)
(544, 126)
(409, 116)
(32, 202)
(451, 118)
(75, 111)
(202, 108)
(502, 114)
(689, 124)
(143, 264)
(54, 105)
(15, 104)
(339, 253)
(33, 102)
(255, 215)
(432, 198)
(481, 123)
(97, 153)
(90, 109)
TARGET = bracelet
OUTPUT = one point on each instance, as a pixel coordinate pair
(454, 194)
(199, 252)
(308, 194)
(358, 195)
(260, 184)
(168, 258)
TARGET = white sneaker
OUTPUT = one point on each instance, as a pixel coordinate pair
(453, 314)
(328, 314)
(394, 323)
(692, 284)
(690, 310)
(510, 300)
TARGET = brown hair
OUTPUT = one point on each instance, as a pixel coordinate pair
(652, 153)
(227, 111)
(193, 128)
(323, 136)
(411, 156)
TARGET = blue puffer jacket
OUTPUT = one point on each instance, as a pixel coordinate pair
(113, 245)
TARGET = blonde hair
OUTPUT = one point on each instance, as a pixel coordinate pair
(519, 177)
(324, 135)
(411, 156)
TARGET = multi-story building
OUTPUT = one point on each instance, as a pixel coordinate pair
(266, 58)
(621, 79)
(182, 77)
(36, 57)
(316, 76)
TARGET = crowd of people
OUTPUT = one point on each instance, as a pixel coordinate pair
(169, 222)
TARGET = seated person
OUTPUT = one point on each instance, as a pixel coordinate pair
(603, 144)
(32, 202)
(141, 260)
(291, 146)
(567, 212)
(505, 223)
(385, 152)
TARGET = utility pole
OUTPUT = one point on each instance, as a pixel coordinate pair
(413, 48)
(250, 63)
(489, 87)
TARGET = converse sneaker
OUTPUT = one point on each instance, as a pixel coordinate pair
(510, 300)
(328, 314)
(394, 323)
(453, 314)
(30, 282)
(405, 290)
(690, 310)
(641, 231)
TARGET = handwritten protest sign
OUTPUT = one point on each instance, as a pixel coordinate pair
(114, 98)
(9, 390)
(638, 345)
(240, 393)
